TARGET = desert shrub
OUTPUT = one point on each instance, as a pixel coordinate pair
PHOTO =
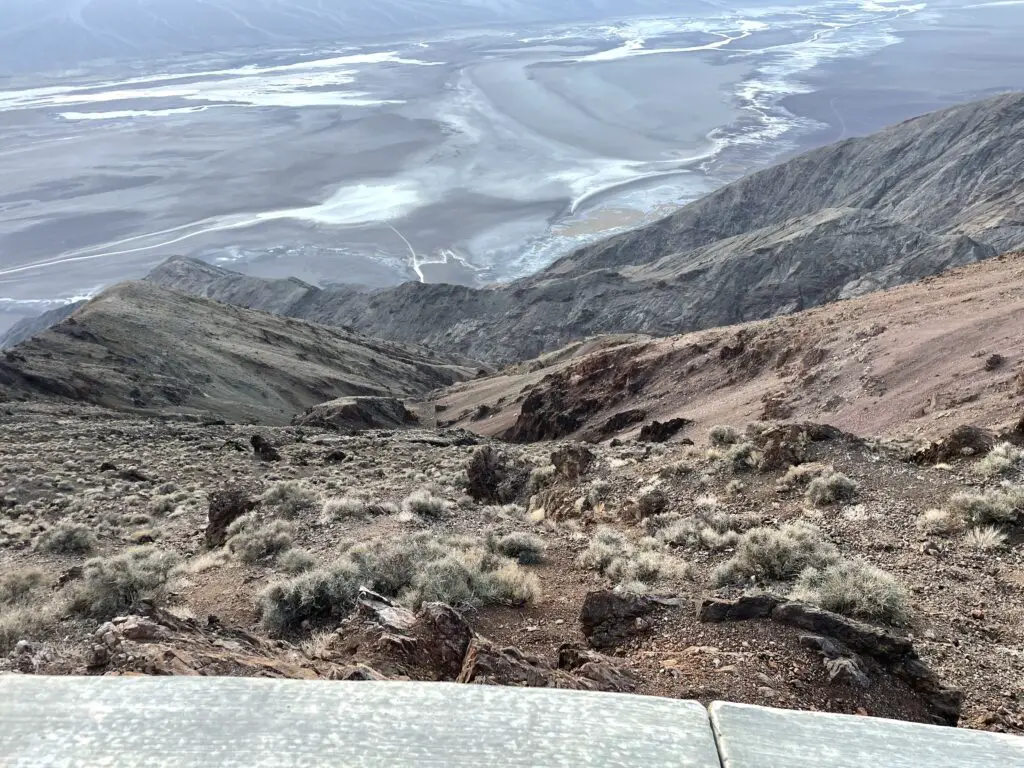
(493, 479)
(289, 498)
(1001, 460)
(800, 475)
(424, 504)
(855, 588)
(742, 457)
(525, 548)
(541, 478)
(345, 507)
(20, 585)
(985, 538)
(706, 528)
(317, 594)
(604, 547)
(67, 538)
(830, 489)
(249, 542)
(413, 568)
(21, 621)
(939, 522)
(998, 507)
(112, 585)
(612, 555)
(770, 554)
(296, 560)
(723, 435)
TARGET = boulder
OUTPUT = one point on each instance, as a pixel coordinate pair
(356, 414)
(962, 442)
(608, 618)
(662, 431)
(572, 461)
(226, 506)
(741, 609)
(264, 449)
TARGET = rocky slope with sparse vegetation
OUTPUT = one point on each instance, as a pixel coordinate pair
(128, 546)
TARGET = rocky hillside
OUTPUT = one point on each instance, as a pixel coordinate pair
(854, 582)
(864, 214)
(910, 361)
(138, 346)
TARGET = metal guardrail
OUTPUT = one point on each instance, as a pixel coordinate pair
(249, 723)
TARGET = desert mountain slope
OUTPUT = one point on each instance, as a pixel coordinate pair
(918, 359)
(865, 214)
(140, 346)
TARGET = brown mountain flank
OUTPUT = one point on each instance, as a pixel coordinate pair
(910, 361)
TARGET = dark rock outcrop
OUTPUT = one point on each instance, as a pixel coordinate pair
(840, 637)
(356, 414)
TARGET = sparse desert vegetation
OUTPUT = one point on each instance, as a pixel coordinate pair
(301, 536)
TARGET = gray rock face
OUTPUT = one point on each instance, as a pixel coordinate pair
(865, 214)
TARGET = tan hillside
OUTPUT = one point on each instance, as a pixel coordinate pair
(911, 361)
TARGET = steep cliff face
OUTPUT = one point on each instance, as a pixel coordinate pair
(865, 214)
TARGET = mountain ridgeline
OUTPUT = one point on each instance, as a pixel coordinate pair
(862, 215)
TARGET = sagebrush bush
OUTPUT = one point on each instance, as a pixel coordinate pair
(296, 560)
(1001, 460)
(289, 498)
(855, 588)
(412, 568)
(345, 507)
(985, 538)
(939, 522)
(19, 586)
(249, 542)
(424, 504)
(525, 548)
(831, 489)
(67, 538)
(776, 554)
(742, 457)
(723, 435)
(800, 475)
(112, 585)
(541, 477)
(611, 554)
(23, 621)
(999, 507)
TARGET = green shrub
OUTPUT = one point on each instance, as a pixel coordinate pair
(1001, 460)
(995, 507)
(423, 503)
(296, 561)
(412, 568)
(289, 498)
(20, 585)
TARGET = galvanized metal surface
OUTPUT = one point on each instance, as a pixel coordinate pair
(228, 722)
(757, 737)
